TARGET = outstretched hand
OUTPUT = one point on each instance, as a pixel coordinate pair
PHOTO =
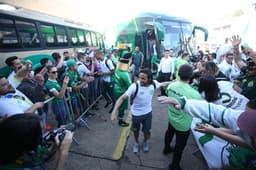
(170, 100)
(205, 128)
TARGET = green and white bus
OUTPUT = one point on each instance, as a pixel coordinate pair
(32, 35)
(167, 32)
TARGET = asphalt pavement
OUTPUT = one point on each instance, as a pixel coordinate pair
(107, 146)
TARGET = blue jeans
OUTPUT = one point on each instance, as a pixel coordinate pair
(76, 104)
(60, 113)
(44, 120)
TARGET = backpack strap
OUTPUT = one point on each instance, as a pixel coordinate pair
(136, 91)
(134, 95)
(106, 63)
(154, 84)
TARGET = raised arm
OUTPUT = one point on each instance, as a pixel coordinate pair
(63, 89)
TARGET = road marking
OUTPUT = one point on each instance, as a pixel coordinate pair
(122, 140)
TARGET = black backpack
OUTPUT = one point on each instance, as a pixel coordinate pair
(136, 91)
(106, 63)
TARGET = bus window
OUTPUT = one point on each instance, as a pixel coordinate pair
(100, 40)
(48, 35)
(94, 40)
(8, 36)
(28, 34)
(73, 37)
(88, 38)
(80, 35)
(61, 35)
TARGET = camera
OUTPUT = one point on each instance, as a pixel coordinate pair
(194, 58)
(49, 136)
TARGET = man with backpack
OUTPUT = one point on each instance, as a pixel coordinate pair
(141, 107)
(107, 69)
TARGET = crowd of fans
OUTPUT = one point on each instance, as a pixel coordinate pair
(227, 79)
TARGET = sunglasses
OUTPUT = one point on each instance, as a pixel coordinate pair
(53, 72)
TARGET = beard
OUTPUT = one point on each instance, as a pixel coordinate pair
(11, 90)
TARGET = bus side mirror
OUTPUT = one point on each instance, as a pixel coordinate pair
(150, 34)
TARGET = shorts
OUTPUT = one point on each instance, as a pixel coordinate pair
(145, 120)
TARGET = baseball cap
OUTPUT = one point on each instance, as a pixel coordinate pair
(71, 62)
(247, 122)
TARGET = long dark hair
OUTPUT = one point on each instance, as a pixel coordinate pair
(149, 74)
(208, 84)
(20, 133)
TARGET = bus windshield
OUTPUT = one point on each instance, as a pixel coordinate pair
(155, 32)
(175, 33)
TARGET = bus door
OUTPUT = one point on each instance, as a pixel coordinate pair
(150, 39)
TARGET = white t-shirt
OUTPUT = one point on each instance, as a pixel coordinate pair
(105, 69)
(82, 70)
(13, 80)
(14, 103)
(230, 97)
(142, 103)
(167, 65)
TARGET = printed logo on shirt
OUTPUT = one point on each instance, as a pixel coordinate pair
(250, 84)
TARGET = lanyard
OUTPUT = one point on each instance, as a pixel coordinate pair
(18, 97)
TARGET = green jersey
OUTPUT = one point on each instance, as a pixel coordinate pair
(180, 120)
(122, 81)
(74, 78)
(52, 85)
(179, 62)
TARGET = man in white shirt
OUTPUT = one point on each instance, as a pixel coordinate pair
(19, 71)
(13, 101)
(107, 69)
(87, 75)
(166, 69)
(141, 106)
(229, 67)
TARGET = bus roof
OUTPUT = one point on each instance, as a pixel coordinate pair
(38, 16)
(162, 16)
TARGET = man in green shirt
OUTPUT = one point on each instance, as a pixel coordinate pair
(122, 82)
(179, 122)
(74, 79)
(179, 62)
(138, 61)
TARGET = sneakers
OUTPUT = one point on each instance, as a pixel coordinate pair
(145, 146)
(135, 148)
(174, 167)
(123, 123)
(107, 104)
(167, 150)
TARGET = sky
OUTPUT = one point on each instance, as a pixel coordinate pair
(105, 13)
(202, 12)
